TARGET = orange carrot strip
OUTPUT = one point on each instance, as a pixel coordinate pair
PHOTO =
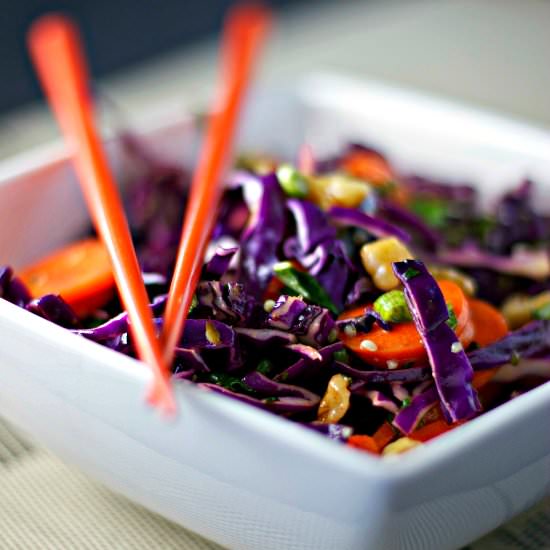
(81, 273)
(364, 442)
(375, 443)
(434, 429)
(368, 166)
(384, 435)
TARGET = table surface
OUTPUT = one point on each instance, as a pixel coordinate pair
(493, 53)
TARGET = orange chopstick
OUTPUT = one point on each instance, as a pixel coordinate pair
(244, 32)
(57, 55)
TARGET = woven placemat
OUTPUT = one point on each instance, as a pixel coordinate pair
(45, 504)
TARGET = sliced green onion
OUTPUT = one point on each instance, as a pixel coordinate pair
(392, 307)
(303, 284)
(294, 183)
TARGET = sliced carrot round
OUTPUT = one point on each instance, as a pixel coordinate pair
(81, 273)
(402, 344)
(489, 327)
(489, 324)
(483, 377)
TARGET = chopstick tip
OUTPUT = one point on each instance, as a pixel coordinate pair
(50, 25)
(161, 395)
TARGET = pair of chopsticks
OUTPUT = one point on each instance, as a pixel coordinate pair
(57, 54)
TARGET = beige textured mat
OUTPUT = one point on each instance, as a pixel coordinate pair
(47, 505)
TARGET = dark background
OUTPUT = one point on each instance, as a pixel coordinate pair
(118, 33)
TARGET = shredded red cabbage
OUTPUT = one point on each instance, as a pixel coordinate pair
(451, 369)
(350, 217)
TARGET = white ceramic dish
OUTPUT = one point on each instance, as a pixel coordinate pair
(245, 478)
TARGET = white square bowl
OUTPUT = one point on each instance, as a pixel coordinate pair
(242, 477)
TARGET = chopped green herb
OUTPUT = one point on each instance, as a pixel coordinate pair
(392, 307)
(194, 303)
(515, 358)
(410, 273)
(230, 382)
(451, 321)
(406, 402)
(93, 323)
(265, 366)
(433, 211)
(271, 399)
(304, 285)
(542, 312)
(482, 226)
(341, 355)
